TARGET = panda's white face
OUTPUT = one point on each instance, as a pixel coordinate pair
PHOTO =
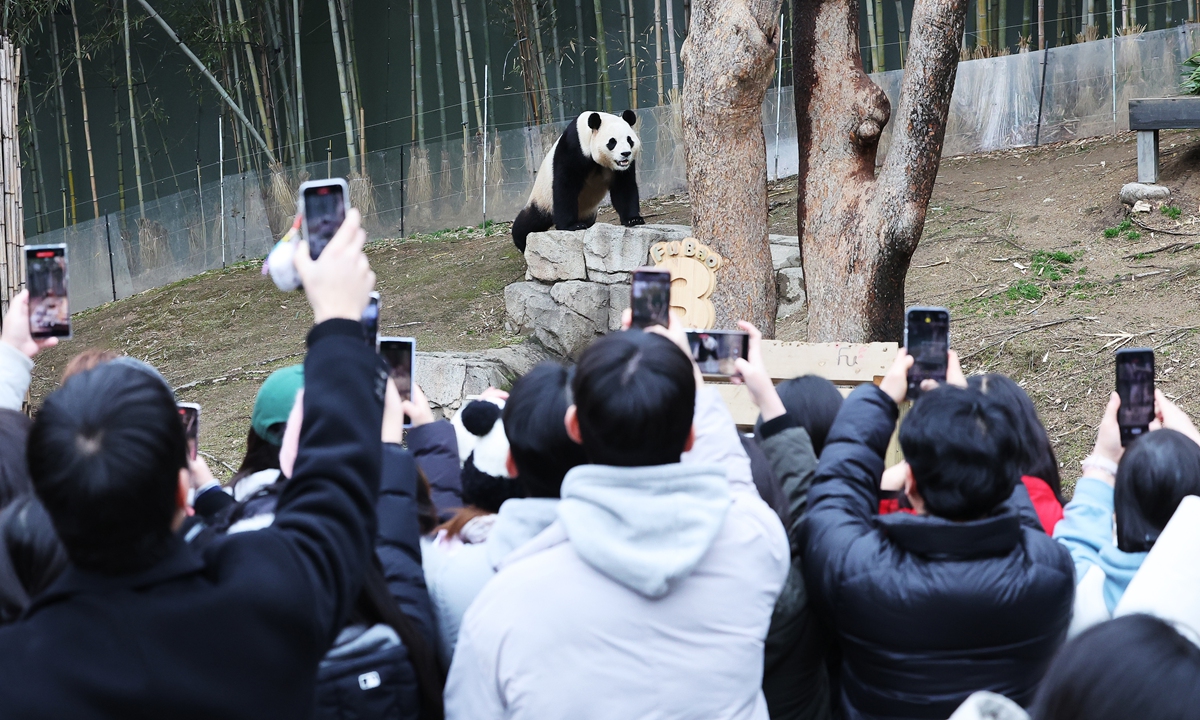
(609, 140)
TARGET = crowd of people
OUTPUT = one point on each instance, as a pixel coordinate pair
(600, 541)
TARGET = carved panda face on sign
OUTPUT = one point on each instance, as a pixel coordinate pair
(609, 140)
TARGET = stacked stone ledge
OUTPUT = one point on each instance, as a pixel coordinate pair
(577, 282)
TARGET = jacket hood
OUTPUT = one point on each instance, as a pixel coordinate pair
(644, 527)
(518, 522)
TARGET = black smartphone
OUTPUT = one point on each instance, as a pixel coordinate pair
(715, 351)
(400, 353)
(370, 321)
(189, 415)
(927, 339)
(323, 206)
(650, 297)
(46, 278)
(1135, 385)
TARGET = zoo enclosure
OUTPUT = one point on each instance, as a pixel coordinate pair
(1013, 101)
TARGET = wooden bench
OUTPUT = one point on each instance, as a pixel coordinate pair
(846, 365)
(1149, 115)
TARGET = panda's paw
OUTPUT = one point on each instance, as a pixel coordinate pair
(635, 221)
(579, 226)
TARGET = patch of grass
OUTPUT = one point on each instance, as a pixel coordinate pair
(1024, 290)
(1143, 256)
(1171, 211)
(1133, 235)
(1052, 265)
(1113, 232)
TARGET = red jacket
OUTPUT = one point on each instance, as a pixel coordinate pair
(1048, 509)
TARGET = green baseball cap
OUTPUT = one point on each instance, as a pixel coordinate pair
(274, 402)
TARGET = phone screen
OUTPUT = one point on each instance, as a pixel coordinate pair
(370, 320)
(1135, 385)
(189, 415)
(400, 354)
(927, 339)
(46, 277)
(324, 212)
(650, 297)
(715, 351)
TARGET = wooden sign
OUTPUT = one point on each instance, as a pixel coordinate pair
(693, 267)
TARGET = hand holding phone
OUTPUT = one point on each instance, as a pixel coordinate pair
(716, 352)
(323, 208)
(400, 353)
(46, 279)
(189, 415)
(927, 340)
(650, 297)
(1135, 386)
(370, 321)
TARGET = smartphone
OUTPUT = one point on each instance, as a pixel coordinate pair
(189, 414)
(46, 278)
(927, 339)
(400, 353)
(370, 321)
(715, 351)
(323, 206)
(650, 297)
(1135, 385)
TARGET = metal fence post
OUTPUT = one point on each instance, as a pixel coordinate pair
(112, 272)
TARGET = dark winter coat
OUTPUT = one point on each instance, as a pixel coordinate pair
(235, 630)
(926, 610)
(436, 450)
(794, 679)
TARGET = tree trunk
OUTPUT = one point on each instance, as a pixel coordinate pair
(858, 224)
(729, 58)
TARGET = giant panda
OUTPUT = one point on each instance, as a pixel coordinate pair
(596, 154)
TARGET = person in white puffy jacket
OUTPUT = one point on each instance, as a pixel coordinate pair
(652, 592)
(17, 349)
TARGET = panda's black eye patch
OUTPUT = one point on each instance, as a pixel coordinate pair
(612, 143)
(630, 141)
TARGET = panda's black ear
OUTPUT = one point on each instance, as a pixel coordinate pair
(594, 121)
(629, 117)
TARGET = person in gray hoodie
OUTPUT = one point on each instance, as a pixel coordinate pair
(540, 455)
(651, 593)
(17, 348)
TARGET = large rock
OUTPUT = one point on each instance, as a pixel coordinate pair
(611, 252)
(789, 286)
(448, 378)
(562, 331)
(588, 299)
(618, 302)
(555, 255)
(1132, 192)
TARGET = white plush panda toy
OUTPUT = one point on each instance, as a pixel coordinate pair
(596, 155)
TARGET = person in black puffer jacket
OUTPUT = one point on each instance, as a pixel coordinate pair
(969, 593)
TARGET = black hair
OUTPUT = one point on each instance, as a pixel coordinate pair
(14, 470)
(1156, 473)
(812, 402)
(634, 397)
(963, 449)
(1136, 666)
(261, 454)
(31, 557)
(375, 604)
(105, 454)
(1037, 456)
(537, 436)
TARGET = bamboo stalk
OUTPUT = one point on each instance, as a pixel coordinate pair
(1041, 20)
(558, 63)
(275, 21)
(254, 82)
(441, 83)
(604, 89)
(87, 126)
(339, 63)
(631, 58)
(658, 50)
(345, 9)
(879, 46)
(62, 107)
(1027, 19)
(119, 130)
(41, 201)
(301, 140)
(671, 44)
(544, 87)
(871, 34)
(462, 73)
(471, 62)
(418, 85)
(981, 23)
(900, 32)
(237, 110)
(579, 50)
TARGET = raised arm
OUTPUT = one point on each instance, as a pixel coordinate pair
(17, 348)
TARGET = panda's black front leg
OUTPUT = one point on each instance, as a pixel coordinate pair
(624, 195)
(567, 186)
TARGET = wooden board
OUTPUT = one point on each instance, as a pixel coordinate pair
(1164, 113)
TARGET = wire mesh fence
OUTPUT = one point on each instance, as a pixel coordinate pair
(1012, 101)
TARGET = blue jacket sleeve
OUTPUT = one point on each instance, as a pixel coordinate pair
(398, 544)
(1087, 524)
(436, 450)
(844, 498)
(326, 512)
